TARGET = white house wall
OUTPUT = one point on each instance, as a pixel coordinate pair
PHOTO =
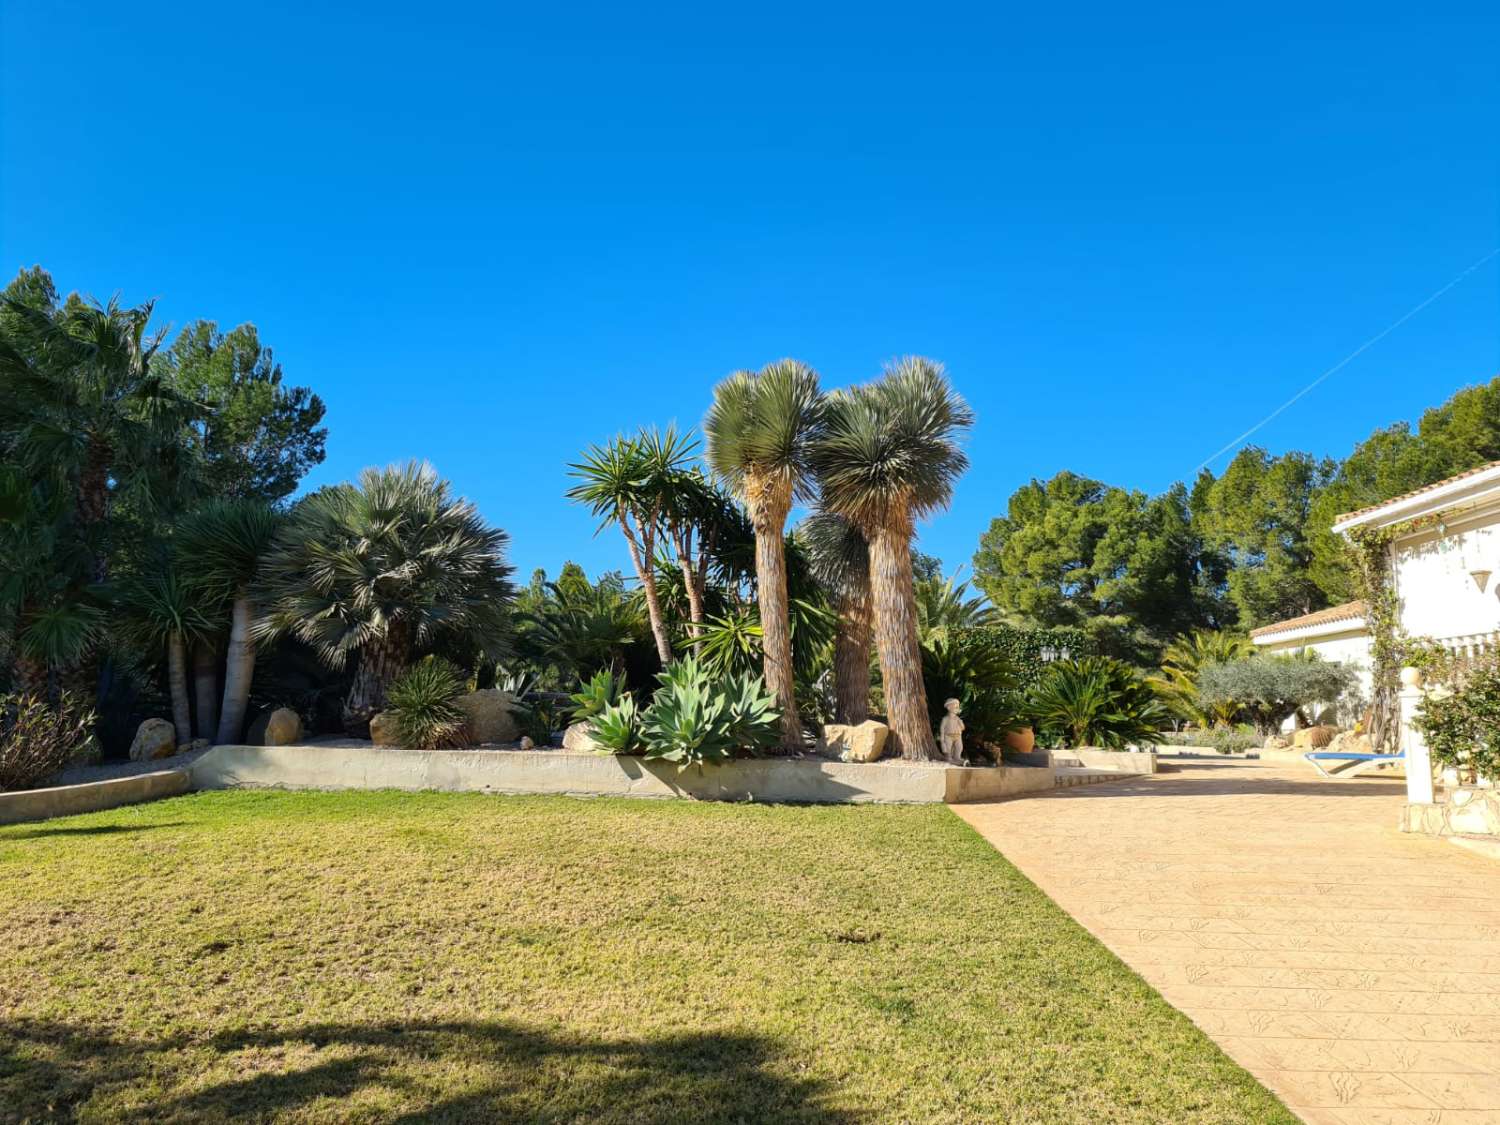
(1438, 596)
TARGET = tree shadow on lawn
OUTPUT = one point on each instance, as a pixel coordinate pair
(93, 830)
(436, 1071)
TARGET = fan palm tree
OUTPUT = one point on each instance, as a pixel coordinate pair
(223, 547)
(758, 429)
(162, 610)
(1183, 663)
(383, 571)
(841, 562)
(887, 454)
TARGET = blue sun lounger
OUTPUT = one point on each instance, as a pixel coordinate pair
(1357, 763)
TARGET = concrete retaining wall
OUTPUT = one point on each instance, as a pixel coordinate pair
(1123, 761)
(67, 800)
(561, 772)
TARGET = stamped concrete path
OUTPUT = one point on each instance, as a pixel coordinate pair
(1352, 969)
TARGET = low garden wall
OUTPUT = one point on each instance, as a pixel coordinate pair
(68, 800)
(1122, 761)
(1462, 812)
(803, 780)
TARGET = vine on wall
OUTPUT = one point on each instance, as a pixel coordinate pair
(1370, 548)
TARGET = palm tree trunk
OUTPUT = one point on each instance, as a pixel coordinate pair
(851, 652)
(380, 662)
(695, 599)
(239, 668)
(896, 638)
(206, 688)
(769, 517)
(653, 603)
(29, 675)
(182, 715)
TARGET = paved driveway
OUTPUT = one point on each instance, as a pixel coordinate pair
(1353, 969)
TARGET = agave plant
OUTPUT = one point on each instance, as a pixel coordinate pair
(601, 691)
(1096, 701)
(696, 717)
(617, 726)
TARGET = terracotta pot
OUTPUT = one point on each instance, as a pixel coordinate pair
(1021, 741)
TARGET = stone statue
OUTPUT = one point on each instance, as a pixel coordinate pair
(951, 734)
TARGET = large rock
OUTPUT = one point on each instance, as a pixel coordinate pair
(155, 738)
(1348, 742)
(1313, 738)
(862, 743)
(580, 737)
(383, 729)
(490, 715)
(1277, 742)
(281, 727)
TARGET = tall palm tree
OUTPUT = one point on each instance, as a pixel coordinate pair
(382, 572)
(223, 547)
(887, 454)
(841, 561)
(944, 607)
(1183, 663)
(162, 610)
(758, 429)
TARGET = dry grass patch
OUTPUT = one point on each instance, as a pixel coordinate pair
(434, 957)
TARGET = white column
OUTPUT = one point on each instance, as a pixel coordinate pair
(1418, 759)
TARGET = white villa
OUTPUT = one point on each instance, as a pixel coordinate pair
(1338, 633)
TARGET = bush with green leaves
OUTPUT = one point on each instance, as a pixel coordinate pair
(973, 666)
(1272, 688)
(1225, 740)
(421, 702)
(1096, 701)
(1462, 726)
(600, 691)
(617, 728)
(696, 717)
(38, 740)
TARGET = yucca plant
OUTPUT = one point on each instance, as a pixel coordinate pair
(758, 430)
(887, 454)
(161, 610)
(1096, 701)
(421, 700)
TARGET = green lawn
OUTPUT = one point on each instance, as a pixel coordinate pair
(384, 956)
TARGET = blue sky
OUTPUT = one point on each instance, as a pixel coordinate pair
(489, 234)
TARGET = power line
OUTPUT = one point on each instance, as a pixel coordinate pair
(1373, 340)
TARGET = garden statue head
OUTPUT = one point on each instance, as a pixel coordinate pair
(952, 706)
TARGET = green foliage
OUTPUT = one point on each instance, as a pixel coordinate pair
(1226, 740)
(696, 717)
(1462, 726)
(944, 606)
(1183, 664)
(256, 438)
(600, 691)
(1096, 701)
(397, 559)
(38, 740)
(1030, 652)
(222, 544)
(759, 424)
(1271, 688)
(617, 727)
(1128, 570)
(971, 665)
(731, 643)
(580, 628)
(421, 701)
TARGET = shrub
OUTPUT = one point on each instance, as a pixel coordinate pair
(602, 690)
(1462, 727)
(421, 699)
(37, 741)
(617, 728)
(1030, 652)
(974, 667)
(1271, 688)
(1226, 740)
(1096, 701)
(695, 717)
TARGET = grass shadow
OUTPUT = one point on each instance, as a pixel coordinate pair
(92, 830)
(425, 1071)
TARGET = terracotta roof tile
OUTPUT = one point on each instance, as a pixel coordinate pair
(1418, 491)
(1349, 611)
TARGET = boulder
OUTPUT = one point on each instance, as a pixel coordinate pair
(200, 744)
(1313, 738)
(281, 727)
(580, 737)
(490, 715)
(155, 738)
(1348, 742)
(383, 729)
(1276, 742)
(526, 743)
(862, 743)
